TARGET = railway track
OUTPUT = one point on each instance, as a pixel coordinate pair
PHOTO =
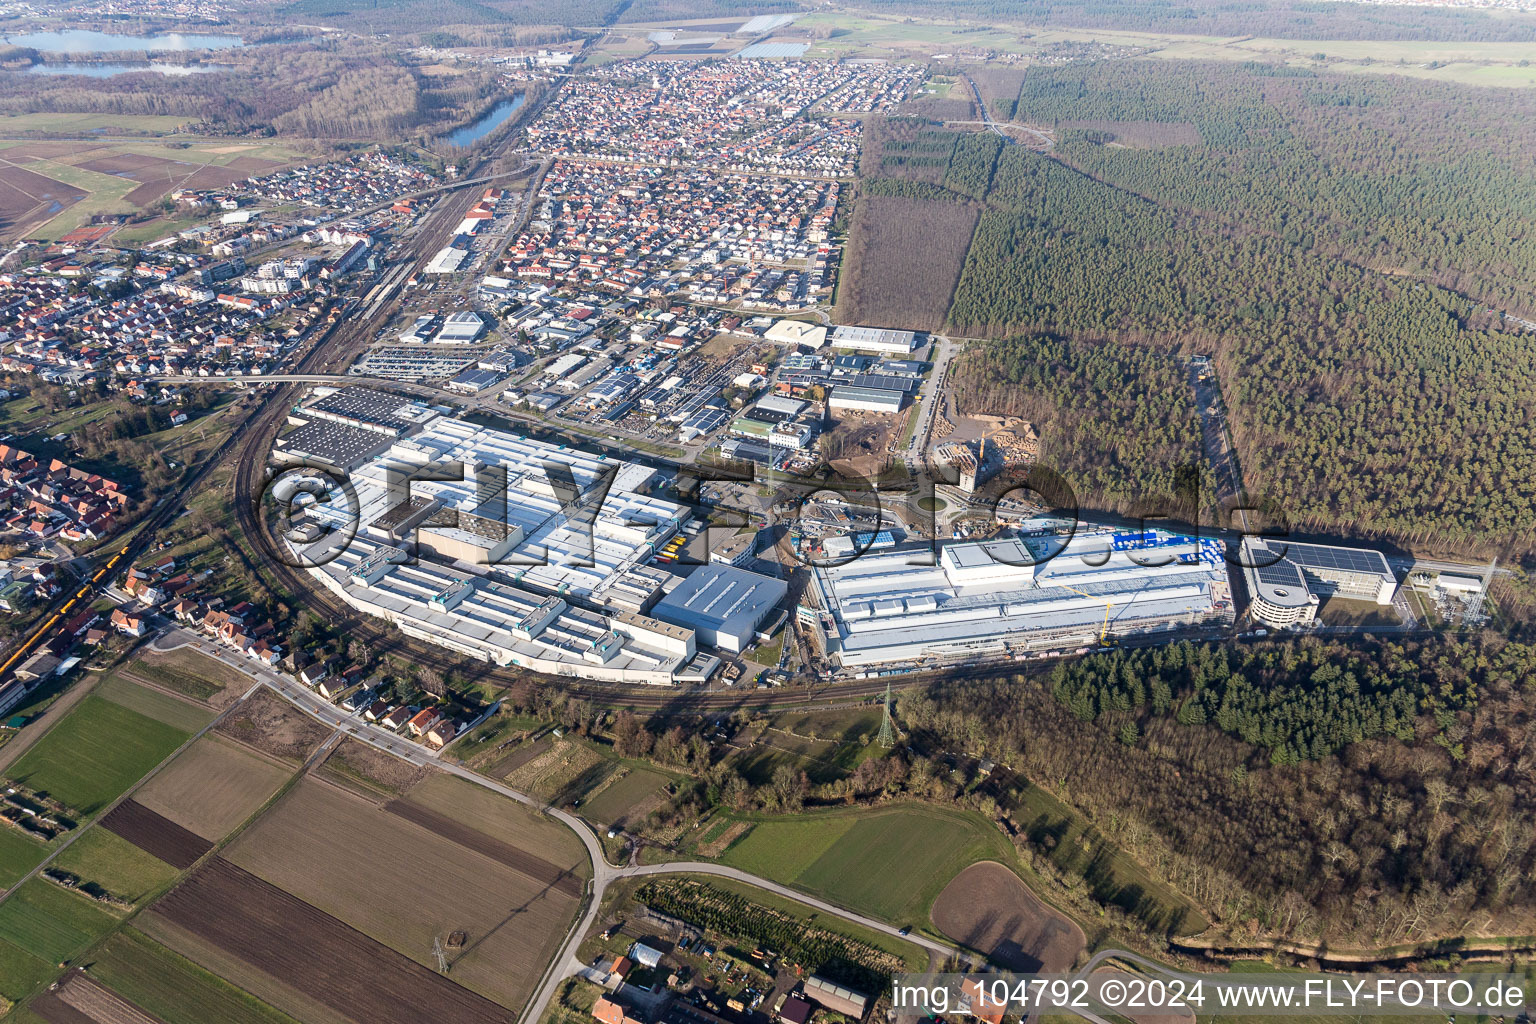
(164, 511)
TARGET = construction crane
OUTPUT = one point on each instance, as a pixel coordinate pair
(1104, 640)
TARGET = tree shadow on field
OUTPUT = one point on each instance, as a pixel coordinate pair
(513, 914)
(573, 789)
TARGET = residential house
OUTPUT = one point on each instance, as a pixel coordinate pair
(423, 720)
(130, 623)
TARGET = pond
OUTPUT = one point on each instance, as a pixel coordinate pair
(80, 40)
(493, 119)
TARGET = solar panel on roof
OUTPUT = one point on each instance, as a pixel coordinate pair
(1346, 559)
(1280, 574)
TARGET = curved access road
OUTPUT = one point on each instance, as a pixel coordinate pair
(565, 963)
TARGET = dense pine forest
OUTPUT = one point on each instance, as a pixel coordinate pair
(1345, 250)
(1118, 422)
(1374, 793)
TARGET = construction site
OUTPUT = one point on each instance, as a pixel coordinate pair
(981, 446)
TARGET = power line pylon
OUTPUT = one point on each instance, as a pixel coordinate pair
(437, 952)
(887, 737)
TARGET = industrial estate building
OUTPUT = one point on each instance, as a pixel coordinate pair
(887, 609)
(797, 332)
(723, 605)
(874, 339)
(535, 555)
(1287, 580)
(848, 397)
(530, 554)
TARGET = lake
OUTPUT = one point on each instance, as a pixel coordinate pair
(493, 119)
(108, 70)
(79, 40)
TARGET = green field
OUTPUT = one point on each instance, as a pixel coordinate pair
(182, 670)
(160, 706)
(115, 864)
(1470, 63)
(890, 863)
(172, 987)
(81, 124)
(868, 35)
(24, 415)
(50, 922)
(95, 753)
(622, 797)
(21, 972)
(18, 855)
(107, 192)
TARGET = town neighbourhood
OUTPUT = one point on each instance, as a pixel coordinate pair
(665, 516)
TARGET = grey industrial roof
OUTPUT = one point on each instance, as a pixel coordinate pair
(747, 449)
(367, 405)
(722, 598)
(853, 337)
(332, 443)
(854, 393)
(477, 379)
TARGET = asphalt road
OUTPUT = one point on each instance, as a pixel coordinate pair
(565, 963)
(944, 352)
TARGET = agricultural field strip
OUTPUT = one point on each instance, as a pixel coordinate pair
(155, 834)
(50, 1008)
(606, 873)
(308, 845)
(174, 988)
(990, 909)
(871, 30)
(99, 1003)
(65, 843)
(536, 868)
(279, 933)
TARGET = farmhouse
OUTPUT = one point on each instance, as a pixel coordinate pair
(610, 1012)
(439, 734)
(977, 1003)
(423, 720)
(128, 622)
(396, 718)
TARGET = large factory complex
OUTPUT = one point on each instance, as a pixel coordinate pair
(983, 599)
(523, 553)
(539, 557)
